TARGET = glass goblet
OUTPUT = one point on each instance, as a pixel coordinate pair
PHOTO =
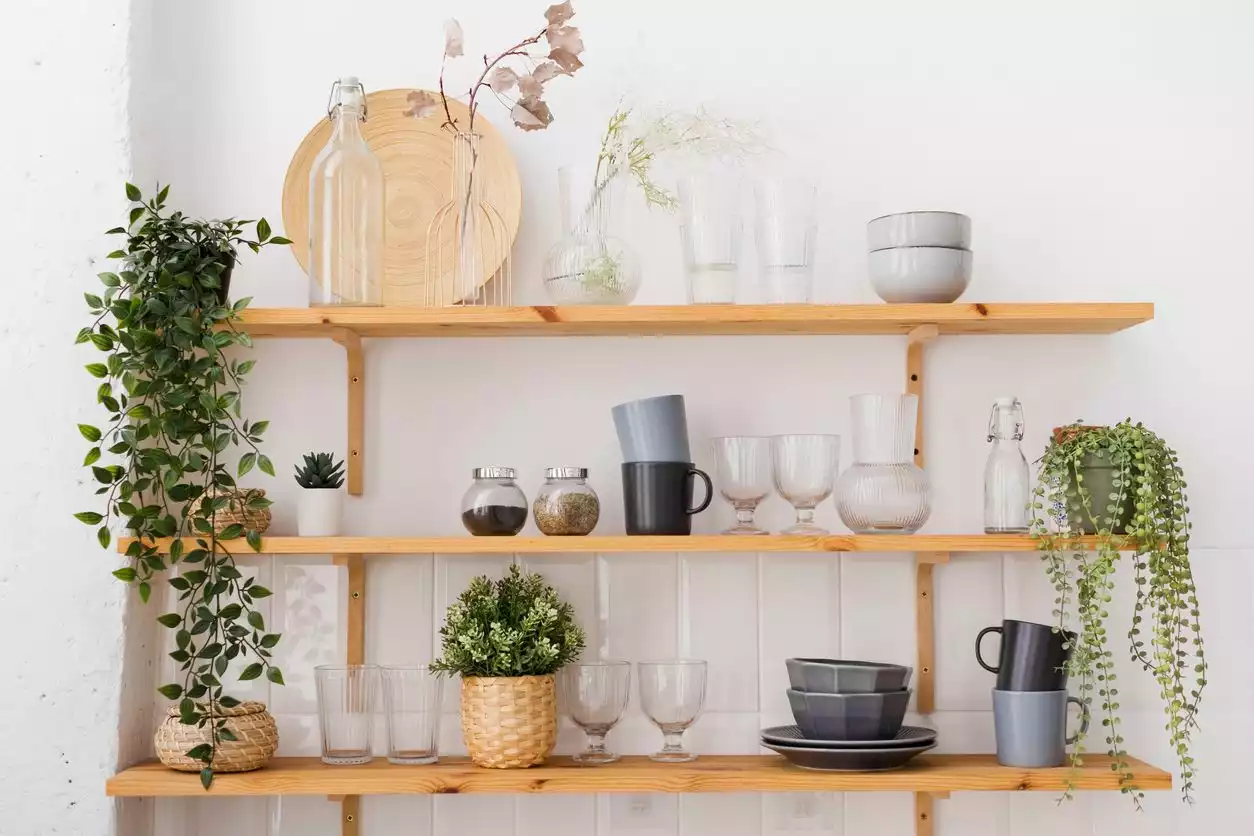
(594, 695)
(672, 694)
(805, 468)
(742, 466)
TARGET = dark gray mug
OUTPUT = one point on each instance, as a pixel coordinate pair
(1031, 727)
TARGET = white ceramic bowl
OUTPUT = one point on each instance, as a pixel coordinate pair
(919, 229)
(920, 274)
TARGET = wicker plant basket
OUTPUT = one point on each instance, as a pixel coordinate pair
(509, 721)
(257, 734)
(237, 510)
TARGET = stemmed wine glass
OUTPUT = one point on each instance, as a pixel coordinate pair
(742, 465)
(805, 468)
(594, 695)
(672, 694)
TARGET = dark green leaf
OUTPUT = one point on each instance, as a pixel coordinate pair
(126, 573)
(97, 369)
(161, 196)
(227, 734)
(93, 456)
(206, 776)
(171, 692)
(231, 532)
(145, 591)
(133, 193)
(89, 517)
(254, 540)
(171, 620)
(93, 301)
(275, 675)
(246, 462)
(230, 612)
(89, 432)
(263, 462)
(269, 640)
(259, 591)
(255, 620)
(279, 239)
(251, 672)
(228, 702)
(263, 230)
(136, 214)
(104, 537)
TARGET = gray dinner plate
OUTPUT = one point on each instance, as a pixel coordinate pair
(849, 760)
(792, 736)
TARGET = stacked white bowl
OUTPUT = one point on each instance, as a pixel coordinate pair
(920, 256)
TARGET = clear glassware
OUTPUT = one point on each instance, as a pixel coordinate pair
(804, 469)
(590, 266)
(347, 697)
(884, 491)
(742, 468)
(711, 230)
(1007, 483)
(566, 504)
(594, 695)
(494, 505)
(411, 704)
(672, 694)
(346, 208)
(786, 232)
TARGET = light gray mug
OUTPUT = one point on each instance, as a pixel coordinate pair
(1031, 727)
(653, 429)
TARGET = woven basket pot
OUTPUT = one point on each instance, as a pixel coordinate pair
(237, 510)
(509, 721)
(257, 734)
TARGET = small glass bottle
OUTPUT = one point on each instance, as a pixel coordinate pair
(566, 503)
(346, 208)
(1007, 485)
(494, 505)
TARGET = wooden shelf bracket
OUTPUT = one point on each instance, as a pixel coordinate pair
(351, 341)
(350, 805)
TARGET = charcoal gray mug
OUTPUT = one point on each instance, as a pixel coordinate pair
(1031, 727)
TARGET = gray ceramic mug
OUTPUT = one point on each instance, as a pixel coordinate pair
(1031, 727)
(653, 429)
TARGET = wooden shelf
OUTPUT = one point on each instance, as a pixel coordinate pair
(710, 773)
(918, 543)
(633, 320)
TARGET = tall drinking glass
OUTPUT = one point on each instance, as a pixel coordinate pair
(347, 695)
(672, 694)
(786, 232)
(595, 694)
(742, 467)
(411, 703)
(711, 230)
(805, 472)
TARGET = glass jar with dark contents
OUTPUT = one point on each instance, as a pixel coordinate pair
(494, 505)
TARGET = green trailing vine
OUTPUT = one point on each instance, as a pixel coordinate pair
(172, 398)
(1148, 493)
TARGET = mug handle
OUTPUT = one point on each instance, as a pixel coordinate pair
(1084, 720)
(979, 638)
(709, 491)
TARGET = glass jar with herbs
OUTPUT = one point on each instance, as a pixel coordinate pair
(494, 505)
(566, 504)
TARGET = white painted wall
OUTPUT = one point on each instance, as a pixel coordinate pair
(1100, 148)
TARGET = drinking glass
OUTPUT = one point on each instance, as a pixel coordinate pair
(672, 694)
(347, 695)
(786, 232)
(805, 468)
(711, 231)
(411, 703)
(595, 694)
(742, 465)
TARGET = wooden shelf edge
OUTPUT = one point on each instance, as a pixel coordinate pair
(710, 773)
(835, 543)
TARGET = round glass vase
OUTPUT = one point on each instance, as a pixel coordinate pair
(589, 266)
(884, 491)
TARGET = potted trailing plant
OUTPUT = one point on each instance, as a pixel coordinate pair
(1124, 485)
(507, 640)
(171, 394)
(321, 506)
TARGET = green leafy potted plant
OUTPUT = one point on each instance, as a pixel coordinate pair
(321, 505)
(507, 640)
(170, 387)
(1124, 485)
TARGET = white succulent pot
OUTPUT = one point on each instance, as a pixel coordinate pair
(320, 512)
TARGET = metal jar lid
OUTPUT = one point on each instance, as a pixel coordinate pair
(566, 473)
(494, 472)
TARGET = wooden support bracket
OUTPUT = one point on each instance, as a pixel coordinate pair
(356, 408)
(925, 812)
(350, 805)
(925, 635)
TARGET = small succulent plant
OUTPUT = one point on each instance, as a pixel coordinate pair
(320, 470)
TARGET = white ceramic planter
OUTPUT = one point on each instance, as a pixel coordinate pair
(320, 512)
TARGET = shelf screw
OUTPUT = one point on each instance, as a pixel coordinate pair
(914, 378)
(350, 818)
(927, 670)
(356, 595)
(356, 379)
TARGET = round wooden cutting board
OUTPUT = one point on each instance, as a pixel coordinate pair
(417, 159)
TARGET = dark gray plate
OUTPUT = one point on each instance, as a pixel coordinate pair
(849, 760)
(792, 736)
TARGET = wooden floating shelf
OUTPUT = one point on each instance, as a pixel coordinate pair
(689, 320)
(918, 543)
(633, 774)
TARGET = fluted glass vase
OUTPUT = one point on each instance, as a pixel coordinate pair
(590, 265)
(884, 491)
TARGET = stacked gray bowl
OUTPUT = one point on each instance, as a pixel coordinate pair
(920, 256)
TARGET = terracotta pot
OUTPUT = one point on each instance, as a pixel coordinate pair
(509, 721)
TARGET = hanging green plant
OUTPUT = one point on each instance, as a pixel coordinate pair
(1123, 485)
(172, 396)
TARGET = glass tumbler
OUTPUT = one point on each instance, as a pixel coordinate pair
(742, 466)
(347, 695)
(711, 230)
(884, 491)
(804, 468)
(411, 703)
(672, 694)
(786, 232)
(594, 695)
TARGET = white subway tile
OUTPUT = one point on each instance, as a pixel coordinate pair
(725, 814)
(968, 598)
(639, 613)
(299, 735)
(877, 609)
(310, 609)
(303, 815)
(574, 578)
(400, 590)
(984, 813)
(642, 814)
(786, 813)
(799, 616)
(718, 622)
(462, 815)
(396, 815)
(556, 815)
(881, 813)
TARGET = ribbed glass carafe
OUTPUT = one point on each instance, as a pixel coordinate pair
(883, 491)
